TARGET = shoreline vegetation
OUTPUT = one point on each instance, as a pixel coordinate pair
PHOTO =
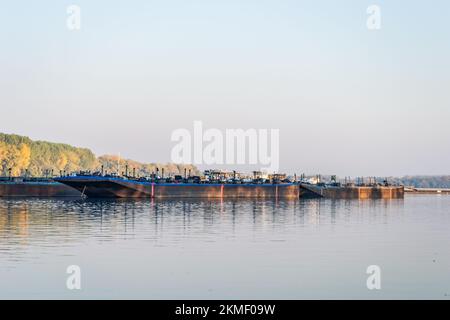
(26, 157)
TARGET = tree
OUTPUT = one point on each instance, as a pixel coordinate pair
(38, 157)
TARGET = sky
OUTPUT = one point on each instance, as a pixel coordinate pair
(347, 100)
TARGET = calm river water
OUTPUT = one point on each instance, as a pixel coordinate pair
(189, 249)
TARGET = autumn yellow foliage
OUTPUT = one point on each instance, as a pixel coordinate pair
(24, 156)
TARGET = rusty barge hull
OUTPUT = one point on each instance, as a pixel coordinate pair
(102, 187)
(36, 189)
(355, 192)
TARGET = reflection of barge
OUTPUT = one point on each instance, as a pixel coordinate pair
(35, 187)
(119, 187)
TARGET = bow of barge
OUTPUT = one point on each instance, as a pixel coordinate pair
(107, 187)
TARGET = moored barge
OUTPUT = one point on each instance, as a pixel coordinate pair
(123, 187)
(35, 187)
(336, 191)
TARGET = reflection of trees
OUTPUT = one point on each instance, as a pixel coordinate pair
(15, 220)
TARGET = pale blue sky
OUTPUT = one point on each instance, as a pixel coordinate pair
(346, 100)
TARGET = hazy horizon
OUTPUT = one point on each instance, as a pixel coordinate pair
(347, 100)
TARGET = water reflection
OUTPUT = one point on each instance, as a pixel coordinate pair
(310, 248)
(23, 220)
